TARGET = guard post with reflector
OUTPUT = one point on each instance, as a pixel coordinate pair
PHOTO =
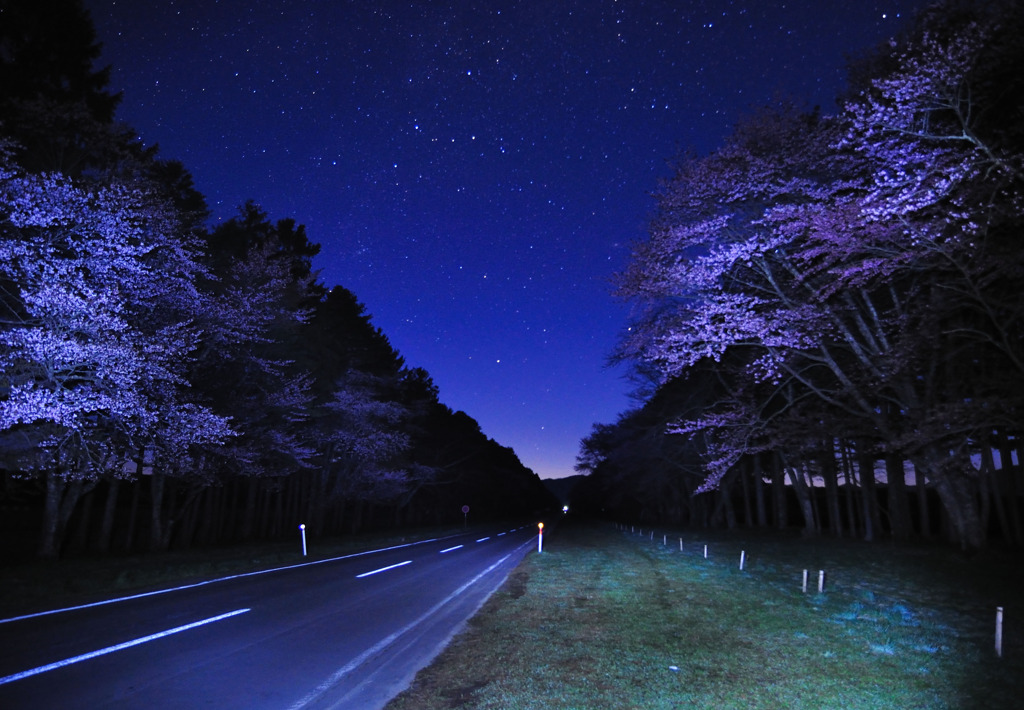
(540, 537)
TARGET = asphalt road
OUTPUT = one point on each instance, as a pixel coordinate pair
(344, 633)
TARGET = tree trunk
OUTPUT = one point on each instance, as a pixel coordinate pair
(985, 492)
(730, 512)
(715, 520)
(212, 512)
(277, 529)
(249, 512)
(899, 506)
(156, 512)
(869, 497)
(49, 537)
(779, 495)
(762, 510)
(82, 529)
(161, 523)
(335, 521)
(357, 516)
(828, 473)
(848, 489)
(233, 497)
(109, 511)
(1000, 501)
(959, 500)
(296, 513)
(133, 515)
(748, 509)
(1005, 496)
(60, 501)
(924, 515)
(317, 482)
(189, 521)
(1010, 480)
(803, 496)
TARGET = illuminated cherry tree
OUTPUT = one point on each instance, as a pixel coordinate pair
(856, 263)
(93, 343)
(243, 365)
(368, 437)
(944, 208)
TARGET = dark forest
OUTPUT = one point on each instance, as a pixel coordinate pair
(829, 329)
(167, 384)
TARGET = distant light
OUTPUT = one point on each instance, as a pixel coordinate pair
(565, 509)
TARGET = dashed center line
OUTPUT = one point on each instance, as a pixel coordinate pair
(383, 569)
(450, 549)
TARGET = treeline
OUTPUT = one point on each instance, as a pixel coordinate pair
(168, 384)
(829, 307)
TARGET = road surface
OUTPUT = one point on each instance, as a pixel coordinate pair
(343, 633)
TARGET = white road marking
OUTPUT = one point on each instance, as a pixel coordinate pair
(484, 538)
(352, 665)
(118, 647)
(212, 581)
(450, 549)
(383, 569)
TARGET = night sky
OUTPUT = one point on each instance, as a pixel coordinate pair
(474, 171)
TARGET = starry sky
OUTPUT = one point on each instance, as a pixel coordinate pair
(475, 171)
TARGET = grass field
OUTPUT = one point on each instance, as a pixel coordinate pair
(611, 618)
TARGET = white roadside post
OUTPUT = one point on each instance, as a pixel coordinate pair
(540, 537)
(302, 531)
(999, 631)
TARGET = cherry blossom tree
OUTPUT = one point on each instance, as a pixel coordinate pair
(90, 371)
(719, 281)
(856, 263)
(368, 438)
(251, 317)
(945, 201)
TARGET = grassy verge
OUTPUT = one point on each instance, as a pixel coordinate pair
(609, 619)
(37, 586)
